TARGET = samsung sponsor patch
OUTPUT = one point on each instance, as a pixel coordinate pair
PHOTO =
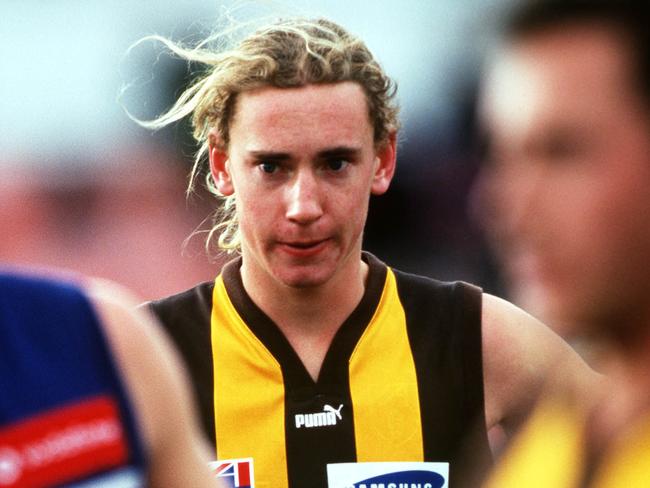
(388, 475)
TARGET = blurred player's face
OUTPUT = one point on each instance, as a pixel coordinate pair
(567, 186)
(302, 164)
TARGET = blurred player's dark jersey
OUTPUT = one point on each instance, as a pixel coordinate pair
(401, 381)
(64, 415)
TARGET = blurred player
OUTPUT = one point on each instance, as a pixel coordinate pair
(91, 394)
(566, 108)
(305, 351)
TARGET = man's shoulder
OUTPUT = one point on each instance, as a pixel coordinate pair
(27, 286)
(449, 307)
(192, 303)
(416, 284)
(196, 293)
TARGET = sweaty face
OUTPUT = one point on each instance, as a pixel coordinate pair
(566, 191)
(302, 164)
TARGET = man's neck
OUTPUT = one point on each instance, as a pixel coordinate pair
(309, 317)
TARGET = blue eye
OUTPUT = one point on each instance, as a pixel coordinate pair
(268, 167)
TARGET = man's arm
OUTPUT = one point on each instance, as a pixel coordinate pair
(522, 356)
(158, 389)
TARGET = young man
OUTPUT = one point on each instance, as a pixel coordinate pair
(305, 351)
(566, 107)
(92, 393)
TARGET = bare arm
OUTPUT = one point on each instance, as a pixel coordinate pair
(521, 356)
(156, 382)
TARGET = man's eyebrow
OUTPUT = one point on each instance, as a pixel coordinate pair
(339, 151)
(270, 155)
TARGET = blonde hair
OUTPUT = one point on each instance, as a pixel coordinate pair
(285, 54)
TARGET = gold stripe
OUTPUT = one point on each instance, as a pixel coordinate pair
(546, 452)
(248, 395)
(383, 385)
(628, 459)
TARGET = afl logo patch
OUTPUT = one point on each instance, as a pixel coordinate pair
(235, 473)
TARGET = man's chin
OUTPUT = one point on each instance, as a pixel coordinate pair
(304, 284)
(303, 278)
(535, 299)
(554, 307)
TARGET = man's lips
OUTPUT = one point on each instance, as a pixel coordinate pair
(303, 248)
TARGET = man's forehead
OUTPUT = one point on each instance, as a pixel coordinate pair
(512, 90)
(308, 97)
(559, 74)
(329, 115)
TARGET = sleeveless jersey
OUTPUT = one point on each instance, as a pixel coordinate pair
(64, 416)
(402, 379)
(551, 450)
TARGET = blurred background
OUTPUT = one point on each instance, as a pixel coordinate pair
(85, 188)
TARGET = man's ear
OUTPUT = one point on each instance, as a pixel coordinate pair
(219, 166)
(386, 160)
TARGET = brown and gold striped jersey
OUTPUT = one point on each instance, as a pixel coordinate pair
(401, 381)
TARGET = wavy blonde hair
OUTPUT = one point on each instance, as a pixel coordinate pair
(284, 54)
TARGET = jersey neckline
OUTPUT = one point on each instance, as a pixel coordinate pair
(333, 371)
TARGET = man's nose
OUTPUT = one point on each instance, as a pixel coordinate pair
(304, 198)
